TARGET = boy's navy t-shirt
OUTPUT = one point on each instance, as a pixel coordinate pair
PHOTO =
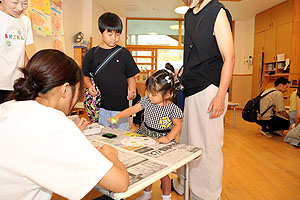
(112, 79)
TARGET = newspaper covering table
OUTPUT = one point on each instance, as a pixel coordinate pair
(145, 163)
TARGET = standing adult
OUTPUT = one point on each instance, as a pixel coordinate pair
(16, 33)
(208, 68)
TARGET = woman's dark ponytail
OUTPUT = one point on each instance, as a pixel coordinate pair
(46, 69)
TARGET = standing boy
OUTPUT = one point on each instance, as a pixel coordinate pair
(116, 80)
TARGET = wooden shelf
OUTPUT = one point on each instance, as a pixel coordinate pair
(276, 75)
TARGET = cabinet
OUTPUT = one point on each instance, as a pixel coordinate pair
(277, 41)
(259, 46)
(275, 16)
(79, 53)
(276, 32)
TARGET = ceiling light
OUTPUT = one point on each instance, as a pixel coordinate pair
(152, 33)
(181, 9)
(176, 27)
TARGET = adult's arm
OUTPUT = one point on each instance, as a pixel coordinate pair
(25, 59)
(224, 39)
(131, 88)
(117, 178)
(297, 118)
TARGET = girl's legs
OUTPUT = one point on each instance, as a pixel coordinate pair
(166, 185)
(166, 188)
(146, 193)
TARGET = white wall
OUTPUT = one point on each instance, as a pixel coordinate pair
(73, 23)
(97, 11)
(78, 15)
(242, 75)
(244, 42)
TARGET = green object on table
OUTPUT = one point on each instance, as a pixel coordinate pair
(113, 120)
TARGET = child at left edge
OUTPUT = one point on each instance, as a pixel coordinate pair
(162, 118)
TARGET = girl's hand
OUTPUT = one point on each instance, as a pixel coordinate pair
(92, 90)
(113, 120)
(82, 123)
(164, 140)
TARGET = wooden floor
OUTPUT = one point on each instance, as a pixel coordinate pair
(255, 167)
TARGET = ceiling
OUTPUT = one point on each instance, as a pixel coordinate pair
(243, 10)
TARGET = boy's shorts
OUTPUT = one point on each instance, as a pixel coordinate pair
(104, 115)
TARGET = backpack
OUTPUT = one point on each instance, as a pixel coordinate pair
(252, 108)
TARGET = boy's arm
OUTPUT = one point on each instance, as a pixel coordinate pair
(131, 88)
(128, 112)
(177, 124)
(88, 84)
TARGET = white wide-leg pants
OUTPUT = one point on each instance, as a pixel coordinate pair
(199, 130)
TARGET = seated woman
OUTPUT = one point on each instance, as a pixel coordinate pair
(41, 150)
(293, 136)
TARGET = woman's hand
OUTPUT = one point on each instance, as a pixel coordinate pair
(217, 107)
(82, 123)
(106, 150)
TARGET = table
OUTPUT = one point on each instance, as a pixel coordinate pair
(234, 105)
(146, 164)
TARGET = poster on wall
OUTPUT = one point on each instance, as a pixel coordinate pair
(57, 4)
(58, 42)
(47, 20)
(41, 22)
(57, 17)
(41, 5)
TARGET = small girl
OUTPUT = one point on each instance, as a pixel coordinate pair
(162, 118)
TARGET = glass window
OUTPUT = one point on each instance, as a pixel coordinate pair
(172, 56)
(152, 32)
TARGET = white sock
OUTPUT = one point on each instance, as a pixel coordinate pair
(146, 195)
(166, 197)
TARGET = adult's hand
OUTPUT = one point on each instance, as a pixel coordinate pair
(217, 107)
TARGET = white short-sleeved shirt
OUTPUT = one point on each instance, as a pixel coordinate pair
(15, 34)
(42, 151)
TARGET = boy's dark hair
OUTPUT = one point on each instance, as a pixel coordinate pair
(281, 80)
(110, 22)
(161, 81)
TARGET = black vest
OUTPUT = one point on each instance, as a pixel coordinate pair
(204, 65)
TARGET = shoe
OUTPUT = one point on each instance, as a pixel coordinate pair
(173, 188)
(279, 132)
(265, 133)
